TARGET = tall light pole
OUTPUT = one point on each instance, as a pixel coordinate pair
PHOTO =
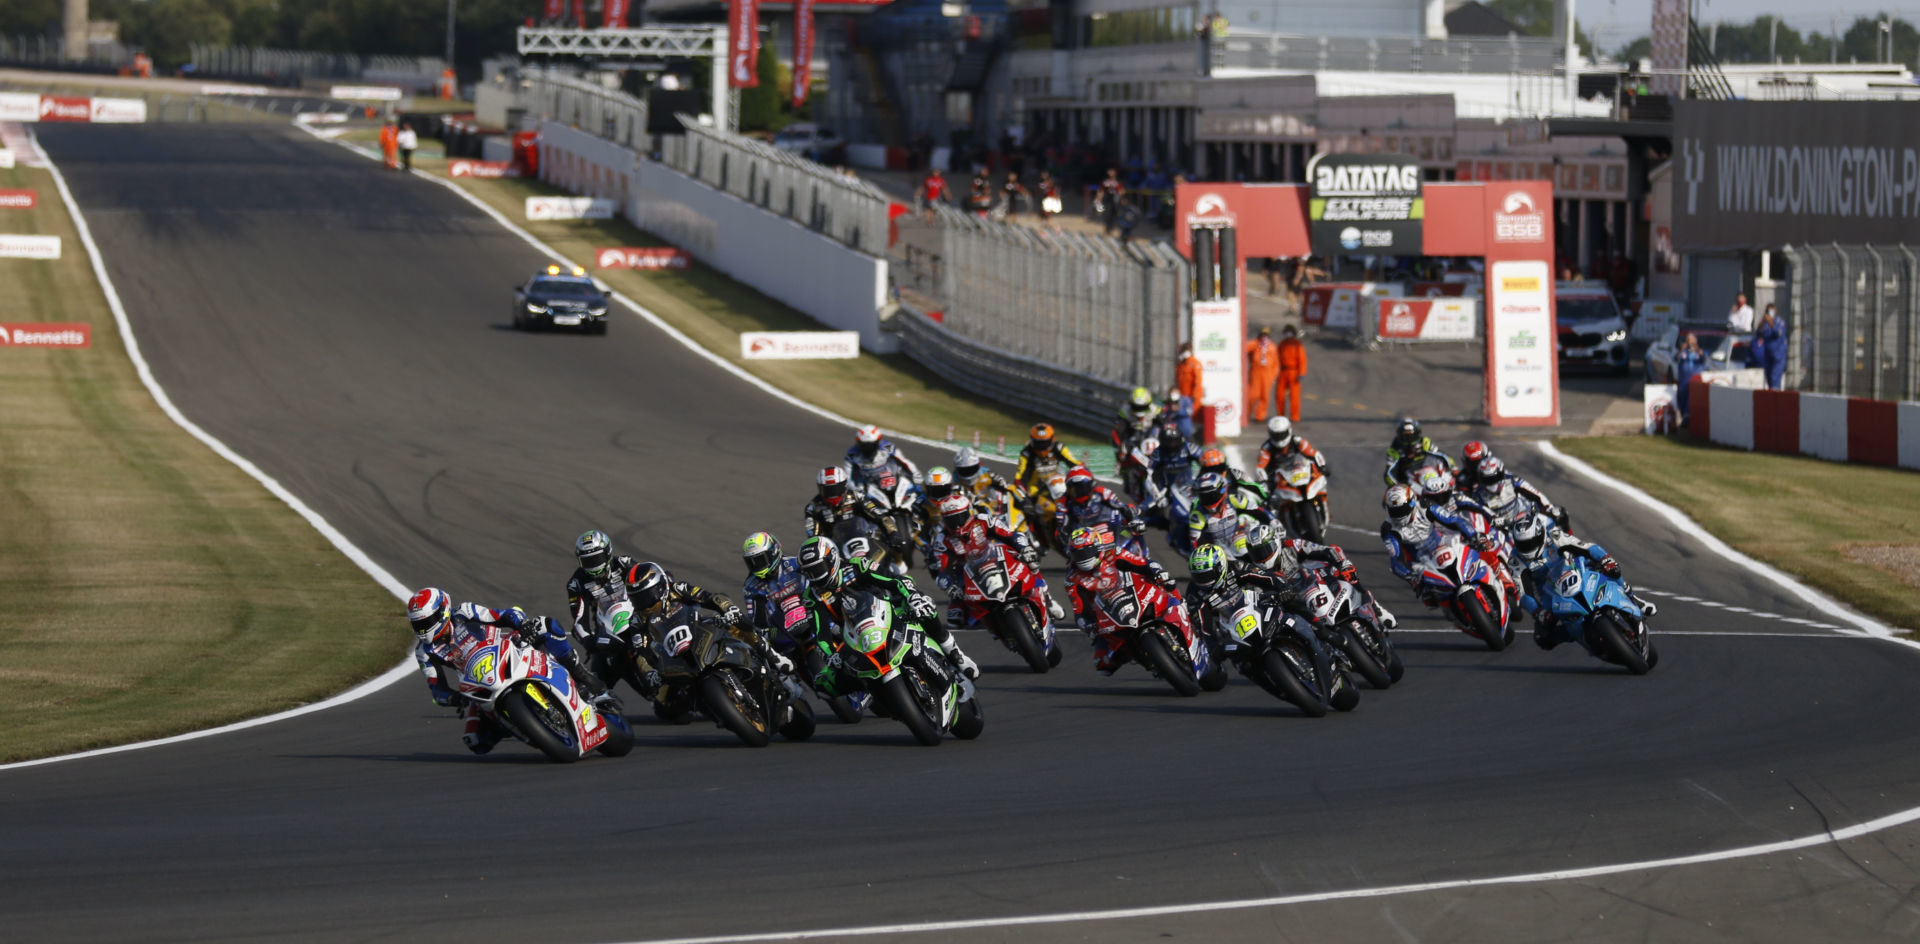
(1886, 30)
(450, 4)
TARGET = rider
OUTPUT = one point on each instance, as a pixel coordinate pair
(832, 505)
(1216, 514)
(871, 452)
(767, 574)
(1533, 540)
(1042, 458)
(655, 594)
(1136, 422)
(1261, 549)
(1096, 566)
(1471, 455)
(1089, 504)
(828, 575)
(1410, 448)
(1498, 489)
(964, 536)
(1409, 528)
(1281, 445)
(446, 637)
(1214, 459)
(981, 484)
(599, 581)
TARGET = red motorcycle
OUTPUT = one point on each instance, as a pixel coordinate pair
(1001, 591)
(1152, 624)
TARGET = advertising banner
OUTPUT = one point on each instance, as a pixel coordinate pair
(802, 50)
(29, 247)
(18, 199)
(19, 106)
(641, 257)
(65, 108)
(471, 168)
(6, 158)
(1658, 412)
(46, 334)
(1521, 373)
(613, 14)
(107, 111)
(1218, 340)
(569, 208)
(1426, 319)
(799, 345)
(1760, 175)
(743, 38)
(365, 93)
(1365, 204)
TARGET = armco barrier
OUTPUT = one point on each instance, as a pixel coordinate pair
(1844, 429)
(1045, 390)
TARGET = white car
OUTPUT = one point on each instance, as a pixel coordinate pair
(1591, 330)
(1725, 351)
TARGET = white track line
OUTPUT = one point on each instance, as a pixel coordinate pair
(326, 529)
(1744, 852)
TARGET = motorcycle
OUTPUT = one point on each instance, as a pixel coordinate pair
(906, 671)
(1154, 631)
(1043, 508)
(789, 629)
(1356, 627)
(1428, 463)
(705, 668)
(1462, 581)
(531, 696)
(900, 500)
(1272, 647)
(1136, 467)
(1596, 611)
(1001, 591)
(1298, 497)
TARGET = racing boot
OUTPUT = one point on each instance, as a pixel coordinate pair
(961, 660)
(1054, 609)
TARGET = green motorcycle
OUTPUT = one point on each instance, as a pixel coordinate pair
(904, 670)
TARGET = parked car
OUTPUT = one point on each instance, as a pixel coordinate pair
(1591, 330)
(812, 142)
(1725, 350)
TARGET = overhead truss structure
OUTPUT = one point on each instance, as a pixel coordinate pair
(649, 42)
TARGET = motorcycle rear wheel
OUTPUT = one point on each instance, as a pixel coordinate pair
(619, 742)
(1280, 671)
(1174, 671)
(969, 720)
(1018, 625)
(532, 722)
(749, 724)
(1614, 639)
(898, 694)
(1362, 658)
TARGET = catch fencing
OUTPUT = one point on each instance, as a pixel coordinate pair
(591, 107)
(292, 66)
(1854, 318)
(820, 198)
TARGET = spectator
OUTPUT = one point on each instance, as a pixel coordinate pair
(1293, 369)
(1770, 348)
(1740, 319)
(1012, 191)
(1129, 219)
(1111, 191)
(390, 145)
(933, 190)
(980, 197)
(1049, 196)
(1272, 265)
(1687, 361)
(408, 141)
(1263, 373)
(1189, 382)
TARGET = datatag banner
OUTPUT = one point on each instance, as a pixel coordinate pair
(1760, 175)
(1365, 204)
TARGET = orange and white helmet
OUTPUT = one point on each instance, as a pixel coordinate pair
(867, 440)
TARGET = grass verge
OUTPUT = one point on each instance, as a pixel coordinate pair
(892, 391)
(1801, 515)
(148, 587)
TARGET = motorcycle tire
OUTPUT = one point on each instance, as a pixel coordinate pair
(801, 726)
(1396, 669)
(1613, 639)
(533, 723)
(1174, 672)
(619, 742)
(1053, 656)
(1018, 626)
(1363, 660)
(840, 705)
(1288, 685)
(969, 720)
(1495, 636)
(1346, 695)
(898, 694)
(1216, 677)
(716, 696)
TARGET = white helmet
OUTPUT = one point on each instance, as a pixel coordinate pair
(1280, 431)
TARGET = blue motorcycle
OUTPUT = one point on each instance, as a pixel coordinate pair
(1595, 611)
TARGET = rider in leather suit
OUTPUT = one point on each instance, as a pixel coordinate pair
(1409, 448)
(445, 638)
(871, 452)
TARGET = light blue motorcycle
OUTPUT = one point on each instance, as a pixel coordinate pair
(1595, 611)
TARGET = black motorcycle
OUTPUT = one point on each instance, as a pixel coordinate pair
(706, 668)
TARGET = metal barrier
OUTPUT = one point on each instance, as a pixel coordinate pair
(1854, 320)
(845, 208)
(41, 51)
(591, 107)
(1039, 387)
(290, 66)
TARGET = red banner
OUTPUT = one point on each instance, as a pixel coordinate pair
(614, 15)
(18, 199)
(802, 50)
(46, 334)
(580, 13)
(63, 108)
(743, 38)
(649, 257)
(555, 10)
(470, 168)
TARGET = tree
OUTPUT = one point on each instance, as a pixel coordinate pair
(1864, 42)
(1634, 51)
(1535, 18)
(760, 106)
(29, 17)
(167, 29)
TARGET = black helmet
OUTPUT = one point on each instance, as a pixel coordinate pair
(1170, 437)
(647, 586)
(820, 562)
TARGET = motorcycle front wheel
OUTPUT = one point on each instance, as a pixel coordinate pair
(1018, 625)
(1484, 625)
(969, 720)
(1289, 685)
(1613, 639)
(748, 721)
(1153, 650)
(537, 725)
(1362, 658)
(800, 726)
(619, 742)
(898, 694)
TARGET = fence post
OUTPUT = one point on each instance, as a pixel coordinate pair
(1876, 288)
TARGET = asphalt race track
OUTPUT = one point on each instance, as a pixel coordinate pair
(344, 328)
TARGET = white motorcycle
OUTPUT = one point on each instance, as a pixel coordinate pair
(531, 695)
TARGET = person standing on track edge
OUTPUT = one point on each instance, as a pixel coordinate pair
(1263, 373)
(408, 141)
(390, 145)
(1189, 379)
(1293, 369)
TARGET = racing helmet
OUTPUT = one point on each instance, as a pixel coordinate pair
(1208, 565)
(1079, 485)
(429, 611)
(1492, 470)
(966, 464)
(1040, 437)
(1171, 438)
(1210, 488)
(594, 549)
(1213, 460)
(1280, 432)
(1529, 536)
(1436, 486)
(1474, 452)
(1400, 506)
(939, 482)
(833, 483)
(1085, 548)
(1258, 544)
(647, 587)
(1057, 488)
(956, 512)
(1140, 406)
(762, 554)
(867, 440)
(820, 562)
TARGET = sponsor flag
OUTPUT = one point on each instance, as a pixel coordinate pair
(555, 10)
(802, 50)
(743, 38)
(614, 14)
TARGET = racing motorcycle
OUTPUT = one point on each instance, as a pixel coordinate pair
(1043, 508)
(1154, 631)
(899, 499)
(1272, 647)
(1356, 628)
(1003, 592)
(1298, 497)
(788, 627)
(1596, 611)
(906, 671)
(705, 668)
(1168, 507)
(530, 695)
(1136, 468)
(1465, 582)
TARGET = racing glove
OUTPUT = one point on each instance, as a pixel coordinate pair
(922, 606)
(784, 664)
(1610, 567)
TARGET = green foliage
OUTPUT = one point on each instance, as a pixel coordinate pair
(763, 107)
(1752, 42)
(166, 29)
(29, 17)
(367, 27)
(1535, 18)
